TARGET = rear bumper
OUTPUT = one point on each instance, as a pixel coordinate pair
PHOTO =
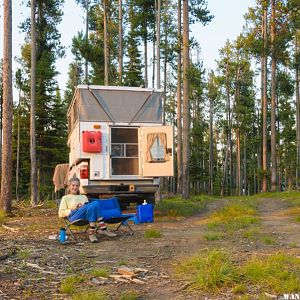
(120, 189)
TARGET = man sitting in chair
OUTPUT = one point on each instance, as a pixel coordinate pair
(77, 207)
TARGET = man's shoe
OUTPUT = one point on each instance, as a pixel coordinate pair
(107, 233)
(93, 238)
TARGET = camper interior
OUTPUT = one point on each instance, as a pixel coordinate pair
(124, 151)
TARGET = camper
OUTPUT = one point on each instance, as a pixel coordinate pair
(118, 143)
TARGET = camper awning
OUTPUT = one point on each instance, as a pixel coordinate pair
(114, 104)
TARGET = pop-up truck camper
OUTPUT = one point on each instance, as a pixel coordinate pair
(118, 144)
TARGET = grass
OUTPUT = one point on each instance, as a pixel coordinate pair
(251, 233)
(178, 207)
(69, 285)
(91, 295)
(129, 295)
(297, 219)
(23, 254)
(279, 273)
(213, 236)
(2, 217)
(210, 270)
(269, 240)
(234, 216)
(152, 233)
(214, 269)
(100, 272)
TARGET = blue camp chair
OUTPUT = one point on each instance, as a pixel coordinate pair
(112, 214)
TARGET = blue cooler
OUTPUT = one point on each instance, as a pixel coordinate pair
(145, 213)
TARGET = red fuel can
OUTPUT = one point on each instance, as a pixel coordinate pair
(91, 141)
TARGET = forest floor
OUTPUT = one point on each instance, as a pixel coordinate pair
(235, 248)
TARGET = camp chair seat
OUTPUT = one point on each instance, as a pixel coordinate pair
(112, 214)
(79, 222)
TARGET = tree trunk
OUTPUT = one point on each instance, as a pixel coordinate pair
(106, 58)
(186, 104)
(179, 126)
(6, 175)
(120, 53)
(297, 76)
(146, 50)
(245, 167)
(18, 150)
(264, 100)
(86, 79)
(158, 44)
(34, 199)
(273, 103)
(211, 152)
(238, 163)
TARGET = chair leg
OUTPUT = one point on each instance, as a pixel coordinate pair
(67, 226)
(125, 224)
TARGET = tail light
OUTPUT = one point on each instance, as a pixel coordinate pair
(84, 172)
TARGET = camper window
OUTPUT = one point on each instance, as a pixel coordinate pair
(156, 147)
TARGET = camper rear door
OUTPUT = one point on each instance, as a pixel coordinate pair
(156, 151)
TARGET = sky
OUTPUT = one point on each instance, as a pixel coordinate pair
(227, 24)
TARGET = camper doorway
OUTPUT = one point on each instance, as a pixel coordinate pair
(124, 151)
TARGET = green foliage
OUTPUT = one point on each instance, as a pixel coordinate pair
(278, 273)
(129, 295)
(234, 216)
(152, 233)
(69, 285)
(213, 236)
(2, 217)
(209, 270)
(23, 254)
(100, 272)
(177, 207)
(91, 295)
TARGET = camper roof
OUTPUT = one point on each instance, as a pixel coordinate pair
(116, 104)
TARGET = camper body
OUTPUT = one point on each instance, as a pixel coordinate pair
(118, 144)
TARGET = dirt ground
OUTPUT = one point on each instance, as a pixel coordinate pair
(32, 266)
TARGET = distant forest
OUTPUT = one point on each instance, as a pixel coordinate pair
(237, 128)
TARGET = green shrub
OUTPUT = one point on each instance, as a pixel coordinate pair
(209, 270)
(152, 233)
(69, 285)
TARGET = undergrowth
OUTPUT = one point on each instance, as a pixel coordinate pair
(179, 207)
(239, 214)
(214, 269)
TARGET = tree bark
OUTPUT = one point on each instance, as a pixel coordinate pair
(186, 104)
(179, 118)
(34, 198)
(211, 153)
(6, 175)
(264, 100)
(158, 44)
(297, 76)
(120, 52)
(18, 150)
(86, 73)
(273, 103)
(146, 50)
(238, 163)
(106, 58)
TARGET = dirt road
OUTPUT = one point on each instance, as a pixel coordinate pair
(33, 267)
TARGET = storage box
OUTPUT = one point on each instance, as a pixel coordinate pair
(91, 141)
(145, 213)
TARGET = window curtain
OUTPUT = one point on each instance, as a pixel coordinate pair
(151, 137)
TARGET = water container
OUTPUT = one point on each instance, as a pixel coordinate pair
(91, 141)
(62, 235)
(145, 213)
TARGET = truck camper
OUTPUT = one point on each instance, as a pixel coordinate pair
(118, 143)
